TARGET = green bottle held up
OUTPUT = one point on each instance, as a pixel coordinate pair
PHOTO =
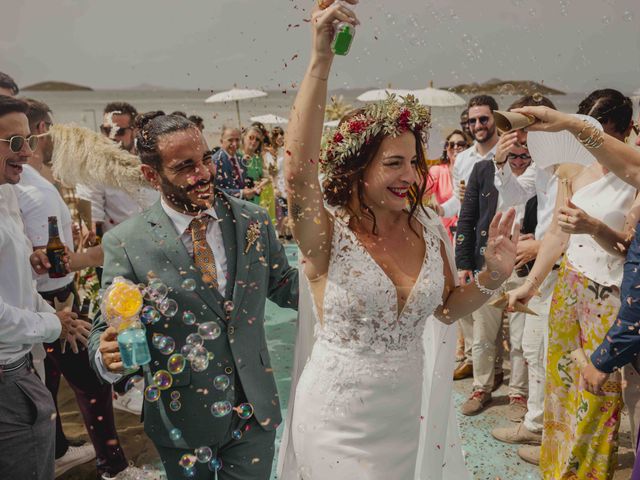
(343, 39)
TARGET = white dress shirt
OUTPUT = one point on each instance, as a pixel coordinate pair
(462, 171)
(25, 318)
(518, 190)
(39, 199)
(113, 206)
(181, 222)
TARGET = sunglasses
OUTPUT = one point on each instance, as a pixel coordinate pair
(17, 142)
(253, 138)
(457, 144)
(483, 120)
(522, 156)
(111, 131)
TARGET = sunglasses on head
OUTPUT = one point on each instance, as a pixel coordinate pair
(459, 144)
(17, 142)
(522, 156)
(483, 120)
(112, 131)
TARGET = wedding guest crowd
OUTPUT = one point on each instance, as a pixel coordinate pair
(569, 319)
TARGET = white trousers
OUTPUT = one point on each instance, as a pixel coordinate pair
(535, 339)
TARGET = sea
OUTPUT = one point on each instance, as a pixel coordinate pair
(85, 108)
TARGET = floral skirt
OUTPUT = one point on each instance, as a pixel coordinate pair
(580, 437)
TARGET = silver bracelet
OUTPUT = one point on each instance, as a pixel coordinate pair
(485, 290)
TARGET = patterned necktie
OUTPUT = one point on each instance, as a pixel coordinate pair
(238, 172)
(202, 253)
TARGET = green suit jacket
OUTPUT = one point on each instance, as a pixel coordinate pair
(257, 270)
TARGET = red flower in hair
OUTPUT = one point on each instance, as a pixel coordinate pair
(357, 126)
(337, 138)
(403, 119)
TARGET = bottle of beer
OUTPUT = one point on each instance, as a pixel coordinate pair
(55, 251)
(99, 232)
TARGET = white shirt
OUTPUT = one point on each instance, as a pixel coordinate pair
(39, 199)
(113, 206)
(25, 318)
(534, 181)
(462, 171)
(181, 222)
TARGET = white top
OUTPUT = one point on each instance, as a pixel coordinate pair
(534, 181)
(462, 171)
(25, 318)
(181, 223)
(279, 163)
(113, 206)
(39, 199)
(608, 199)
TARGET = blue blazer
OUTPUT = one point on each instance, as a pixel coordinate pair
(227, 179)
(621, 344)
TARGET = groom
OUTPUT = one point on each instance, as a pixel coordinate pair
(238, 264)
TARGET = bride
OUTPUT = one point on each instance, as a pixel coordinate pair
(379, 269)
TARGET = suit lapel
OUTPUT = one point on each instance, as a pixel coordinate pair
(168, 240)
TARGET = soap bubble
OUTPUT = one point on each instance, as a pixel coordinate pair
(175, 395)
(209, 330)
(175, 434)
(151, 393)
(168, 307)
(189, 472)
(221, 382)
(236, 434)
(158, 340)
(156, 291)
(162, 379)
(176, 363)
(244, 410)
(194, 339)
(168, 346)
(199, 363)
(627, 16)
(203, 454)
(149, 315)
(220, 409)
(188, 318)
(189, 284)
(187, 460)
(215, 464)
(175, 405)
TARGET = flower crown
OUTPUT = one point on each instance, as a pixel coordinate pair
(390, 116)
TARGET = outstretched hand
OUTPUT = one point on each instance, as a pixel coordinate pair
(549, 120)
(502, 244)
(326, 14)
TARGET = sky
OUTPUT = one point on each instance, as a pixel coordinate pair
(573, 45)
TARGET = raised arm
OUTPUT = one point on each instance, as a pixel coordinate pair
(311, 223)
(620, 158)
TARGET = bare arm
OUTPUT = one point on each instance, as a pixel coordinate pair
(499, 256)
(620, 158)
(311, 223)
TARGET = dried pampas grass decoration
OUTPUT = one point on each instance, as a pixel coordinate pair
(83, 156)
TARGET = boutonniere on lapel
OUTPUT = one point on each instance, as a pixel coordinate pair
(253, 234)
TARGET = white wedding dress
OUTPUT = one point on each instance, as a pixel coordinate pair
(369, 404)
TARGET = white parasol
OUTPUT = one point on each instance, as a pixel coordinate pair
(332, 123)
(235, 95)
(270, 119)
(434, 97)
(381, 94)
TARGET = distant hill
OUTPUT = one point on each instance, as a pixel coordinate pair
(57, 87)
(505, 87)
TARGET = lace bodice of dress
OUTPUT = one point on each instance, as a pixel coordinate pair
(360, 300)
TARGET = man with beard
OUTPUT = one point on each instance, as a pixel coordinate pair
(38, 200)
(109, 205)
(228, 248)
(482, 127)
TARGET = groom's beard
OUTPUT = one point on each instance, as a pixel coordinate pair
(179, 197)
